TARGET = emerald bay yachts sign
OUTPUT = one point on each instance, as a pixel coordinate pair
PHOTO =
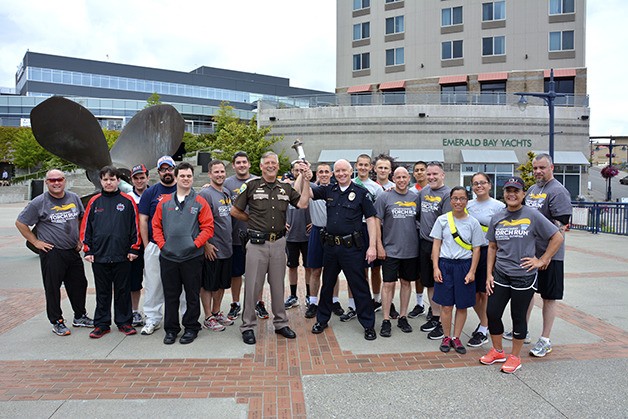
(486, 142)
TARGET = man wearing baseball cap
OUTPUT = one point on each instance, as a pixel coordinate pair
(153, 289)
(139, 179)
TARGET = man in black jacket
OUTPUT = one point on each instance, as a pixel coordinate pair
(111, 240)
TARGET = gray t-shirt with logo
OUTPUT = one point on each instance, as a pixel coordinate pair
(298, 219)
(469, 230)
(398, 214)
(220, 203)
(434, 203)
(234, 184)
(516, 235)
(483, 211)
(57, 219)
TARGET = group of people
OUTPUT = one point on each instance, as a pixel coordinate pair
(185, 248)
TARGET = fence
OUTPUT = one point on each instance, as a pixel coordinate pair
(600, 217)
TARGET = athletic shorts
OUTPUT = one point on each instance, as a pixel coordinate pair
(393, 268)
(480, 272)
(217, 274)
(315, 249)
(453, 291)
(552, 281)
(136, 274)
(425, 263)
(517, 283)
(238, 261)
(294, 250)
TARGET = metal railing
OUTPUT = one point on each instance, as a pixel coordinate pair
(600, 217)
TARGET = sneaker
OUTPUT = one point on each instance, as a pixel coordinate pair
(60, 329)
(541, 348)
(292, 301)
(394, 314)
(149, 328)
(492, 357)
(127, 329)
(260, 310)
(458, 346)
(445, 345)
(429, 326)
(508, 336)
(211, 323)
(416, 311)
(513, 363)
(403, 324)
(234, 312)
(349, 315)
(428, 316)
(386, 330)
(83, 321)
(137, 319)
(477, 339)
(437, 333)
(99, 332)
(310, 313)
(337, 309)
(377, 305)
(224, 320)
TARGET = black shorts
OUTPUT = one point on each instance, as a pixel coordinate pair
(216, 274)
(516, 283)
(552, 281)
(393, 268)
(425, 263)
(136, 275)
(294, 250)
(480, 271)
(238, 261)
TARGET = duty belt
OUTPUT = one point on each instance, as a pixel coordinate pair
(271, 237)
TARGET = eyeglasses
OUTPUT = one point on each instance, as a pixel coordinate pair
(166, 169)
(480, 183)
(55, 180)
(459, 198)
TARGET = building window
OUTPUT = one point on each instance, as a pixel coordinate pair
(565, 85)
(495, 10)
(452, 94)
(451, 50)
(561, 7)
(497, 173)
(392, 1)
(361, 4)
(561, 41)
(394, 97)
(361, 61)
(395, 56)
(360, 99)
(394, 25)
(451, 16)
(494, 45)
(361, 31)
(493, 92)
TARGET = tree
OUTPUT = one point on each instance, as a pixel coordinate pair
(527, 171)
(27, 153)
(152, 100)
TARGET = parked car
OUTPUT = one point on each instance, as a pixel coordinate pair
(624, 180)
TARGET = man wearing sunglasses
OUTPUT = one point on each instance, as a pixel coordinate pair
(56, 214)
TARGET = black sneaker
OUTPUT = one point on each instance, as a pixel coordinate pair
(377, 305)
(429, 314)
(260, 310)
(477, 339)
(428, 326)
(349, 315)
(394, 314)
(386, 330)
(310, 313)
(234, 312)
(337, 309)
(416, 311)
(403, 324)
(292, 301)
(437, 333)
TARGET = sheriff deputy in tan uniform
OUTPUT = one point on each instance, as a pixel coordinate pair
(267, 200)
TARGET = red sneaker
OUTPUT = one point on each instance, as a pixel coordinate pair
(99, 332)
(513, 363)
(492, 357)
(127, 329)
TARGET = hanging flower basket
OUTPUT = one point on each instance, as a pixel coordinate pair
(609, 172)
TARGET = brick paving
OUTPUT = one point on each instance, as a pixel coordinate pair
(269, 381)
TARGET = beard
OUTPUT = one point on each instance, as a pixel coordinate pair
(167, 179)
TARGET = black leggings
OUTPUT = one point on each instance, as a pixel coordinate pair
(519, 303)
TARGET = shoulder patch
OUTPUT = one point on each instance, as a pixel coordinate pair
(242, 188)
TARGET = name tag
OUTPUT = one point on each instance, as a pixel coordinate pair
(282, 197)
(260, 196)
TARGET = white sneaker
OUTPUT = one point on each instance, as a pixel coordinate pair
(508, 336)
(212, 324)
(222, 319)
(149, 328)
(541, 348)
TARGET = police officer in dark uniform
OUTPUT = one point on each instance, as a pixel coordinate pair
(345, 247)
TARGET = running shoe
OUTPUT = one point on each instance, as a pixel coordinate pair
(99, 332)
(508, 336)
(477, 339)
(513, 363)
(416, 311)
(386, 330)
(458, 346)
(394, 314)
(310, 313)
(260, 310)
(149, 328)
(234, 312)
(60, 329)
(493, 356)
(403, 324)
(445, 345)
(436, 333)
(292, 301)
(541, 348)
(349, 315)
(222, 319)
(429, 326)
(212, 324)
(127, 329)
(337, 309)
(83, 321)
(137, 319)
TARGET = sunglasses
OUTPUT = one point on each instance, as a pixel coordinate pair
(55, 180)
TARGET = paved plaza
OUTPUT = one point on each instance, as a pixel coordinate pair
(335, 374)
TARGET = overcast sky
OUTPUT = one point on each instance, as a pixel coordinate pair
(286, 38)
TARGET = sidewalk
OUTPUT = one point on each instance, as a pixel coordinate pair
(335, 374)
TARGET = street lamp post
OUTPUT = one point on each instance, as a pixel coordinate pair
(611, 144)
(549, 98)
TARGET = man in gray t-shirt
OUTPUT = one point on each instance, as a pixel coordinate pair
(56, 214)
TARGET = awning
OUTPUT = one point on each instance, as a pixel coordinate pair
(417, 154)
(392, 85)
(493, 76)
(561, 72)
(489, 156)
(359, 89)
(568, 157)
(330, 156)
(452, 79)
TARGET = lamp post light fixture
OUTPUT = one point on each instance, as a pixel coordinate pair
(611, 144)
(549, 98)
